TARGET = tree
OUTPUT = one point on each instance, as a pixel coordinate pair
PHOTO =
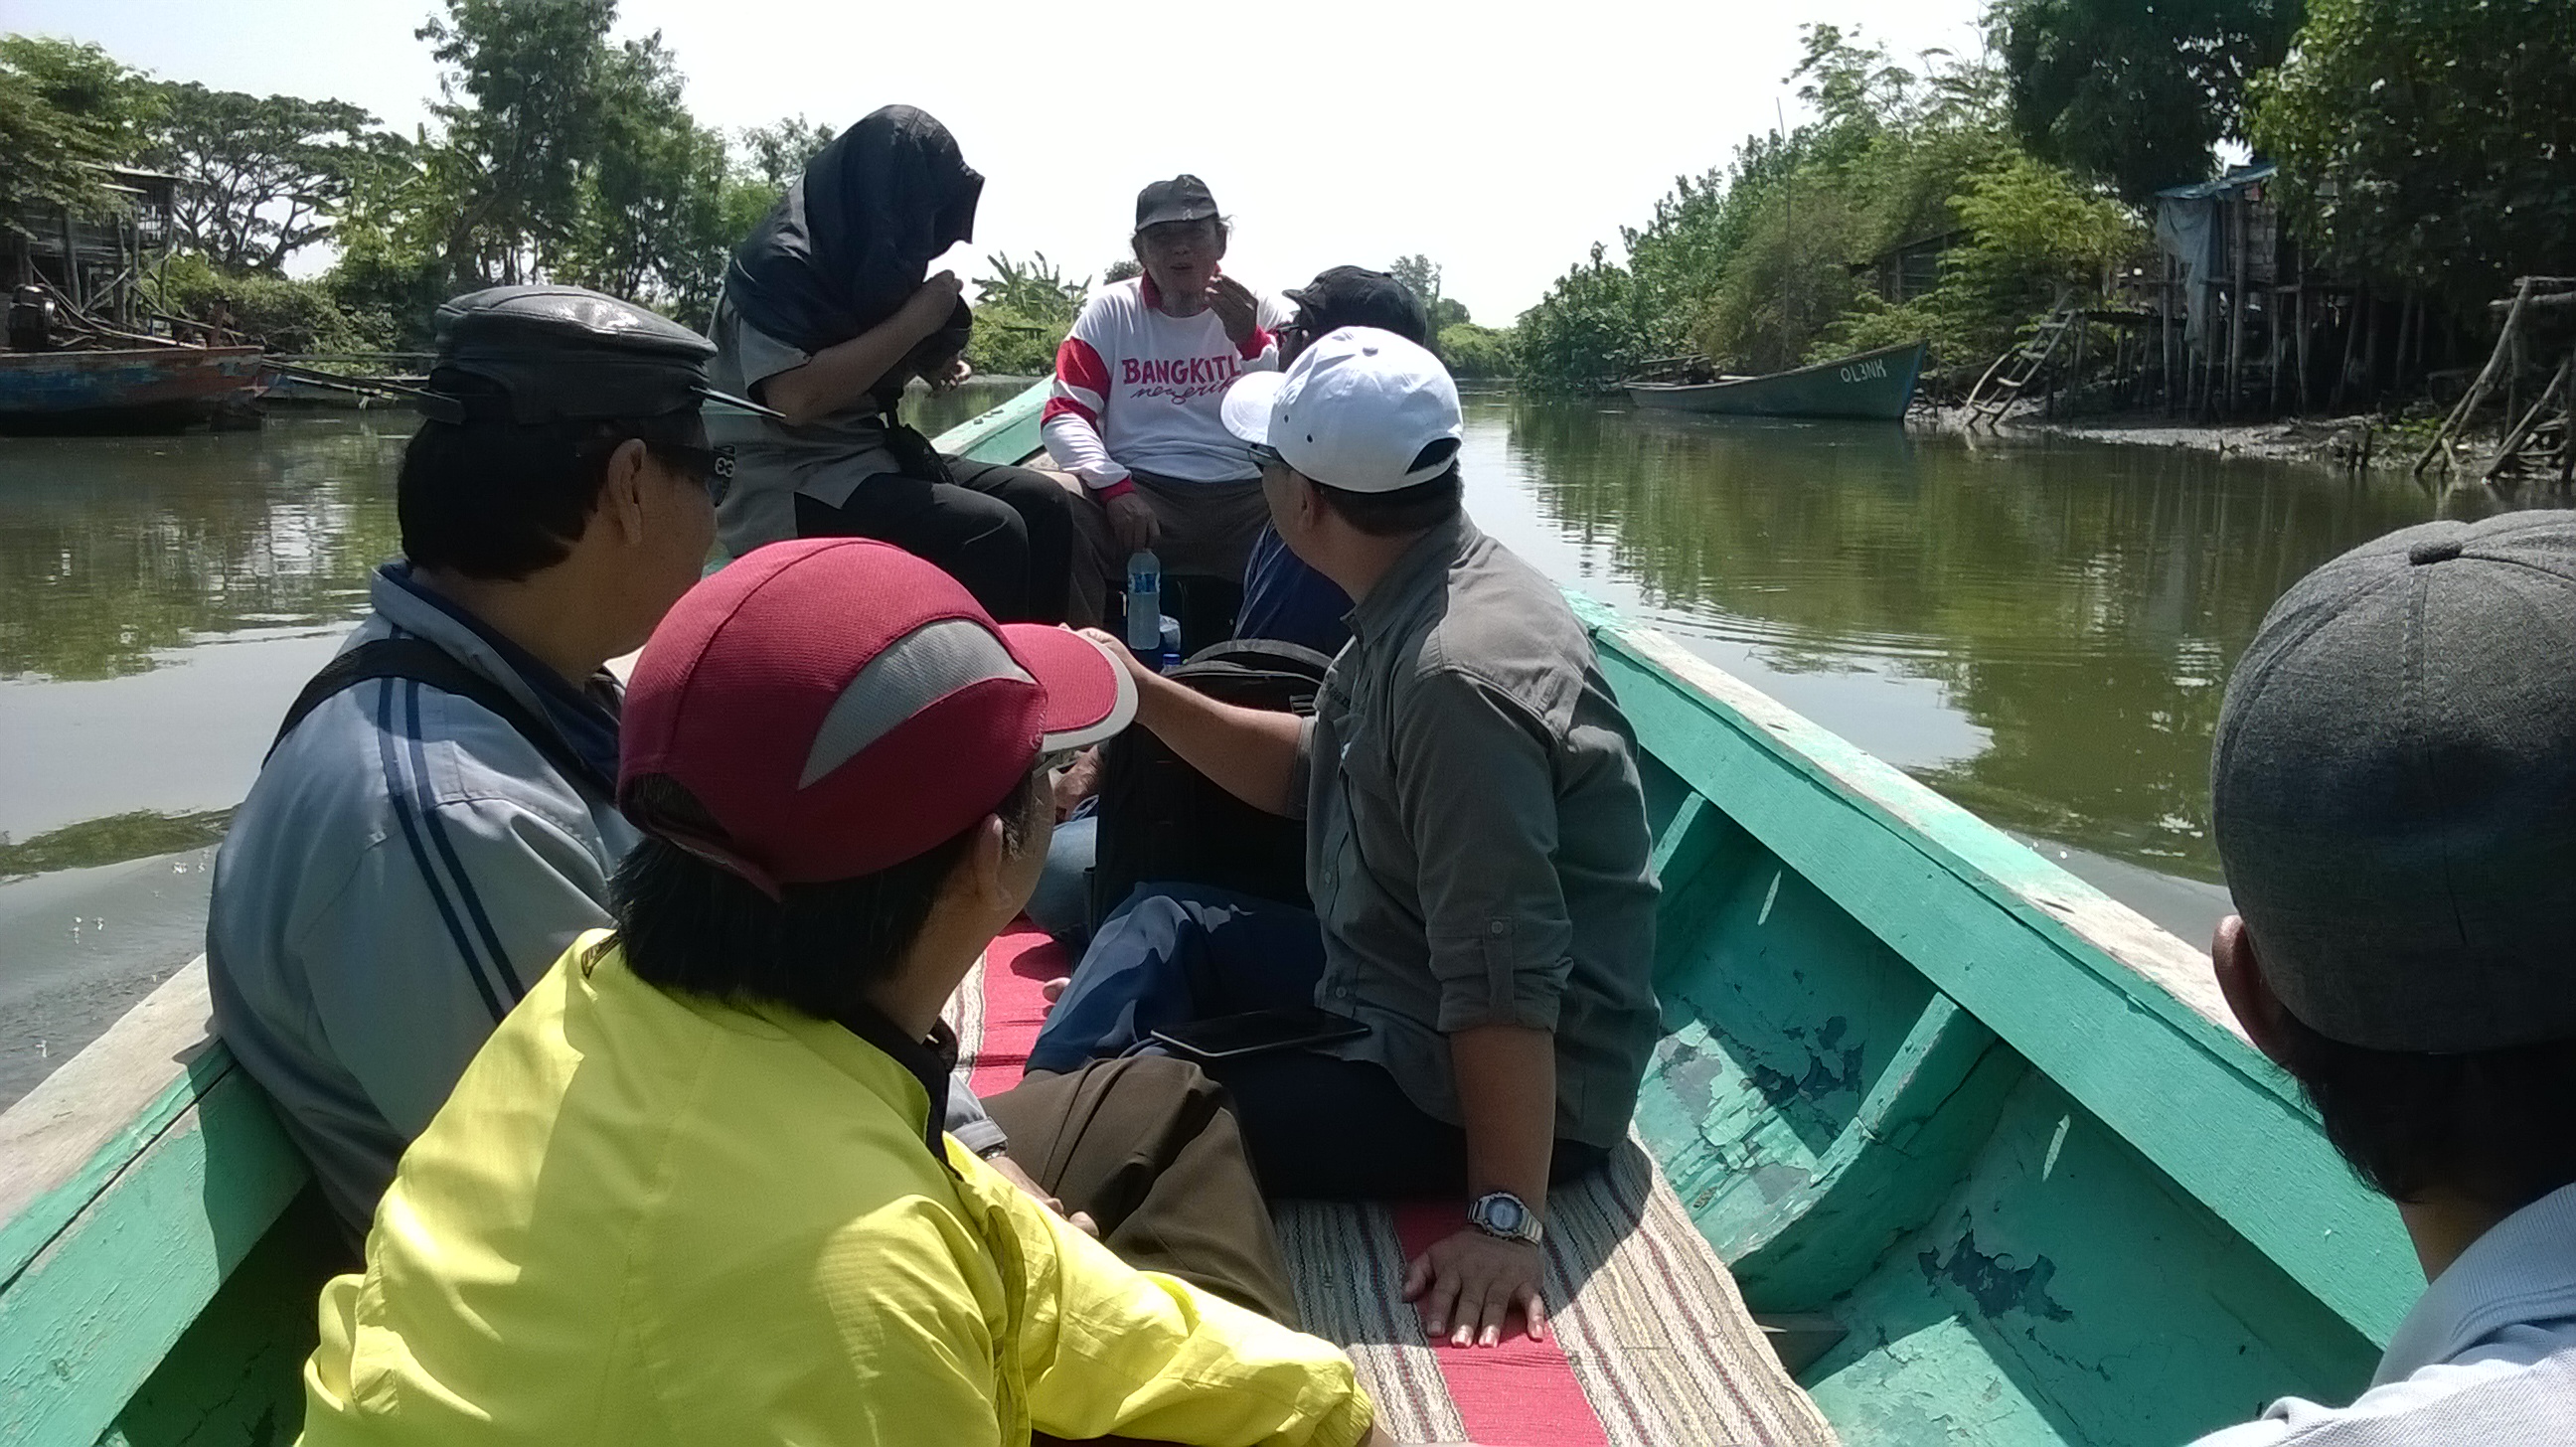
(259, 177)
(522, 110)
(1422, 278)
(65, 110)
(2135, 94)
(654, 218)
(2431, 143)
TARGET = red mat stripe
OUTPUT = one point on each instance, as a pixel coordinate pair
(1016, 967)
(1521, 1393)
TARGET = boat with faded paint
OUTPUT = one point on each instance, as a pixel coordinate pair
(1981, 1146)
(124, 389)
(1869, 386)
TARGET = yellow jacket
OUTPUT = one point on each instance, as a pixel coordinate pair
(649, 1218)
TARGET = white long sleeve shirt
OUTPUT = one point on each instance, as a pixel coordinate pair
(1138, 390)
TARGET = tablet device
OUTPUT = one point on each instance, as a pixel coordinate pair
(1259, 1032)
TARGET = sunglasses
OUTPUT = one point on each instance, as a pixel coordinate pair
(1266, 456)
(710, 467)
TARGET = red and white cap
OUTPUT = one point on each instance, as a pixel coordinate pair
(838, 706)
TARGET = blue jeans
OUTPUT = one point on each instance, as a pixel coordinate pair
(1062, 903)
(1173, 953)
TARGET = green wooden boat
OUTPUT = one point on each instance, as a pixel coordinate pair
(1981, 1137)
(1871, 386)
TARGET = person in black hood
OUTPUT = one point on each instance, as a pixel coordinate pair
(827, 314)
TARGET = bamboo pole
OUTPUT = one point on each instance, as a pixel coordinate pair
(2356, 315)
(2531, 420)
(2478, 390)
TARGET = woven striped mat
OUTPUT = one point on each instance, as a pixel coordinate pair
(1652, 1346)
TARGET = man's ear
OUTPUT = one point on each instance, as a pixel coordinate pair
(2240, 979)
(621, 491)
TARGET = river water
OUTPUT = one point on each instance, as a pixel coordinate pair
(2039, 630)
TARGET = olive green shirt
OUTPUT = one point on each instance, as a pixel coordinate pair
(1476, 835)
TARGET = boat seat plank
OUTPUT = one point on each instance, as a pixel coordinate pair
(1652, 1344)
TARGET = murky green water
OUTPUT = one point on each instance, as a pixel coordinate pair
(2039, 631)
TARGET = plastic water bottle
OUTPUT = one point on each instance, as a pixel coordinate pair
(1144, 604)
(1171, 645)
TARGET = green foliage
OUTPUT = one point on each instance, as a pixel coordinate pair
(285, 313)
(2431, 143)
(1764, 264)
(1474, 351)
(1586, 331)
(1022, 312)
(2137, 95)
(259, 176)
(65, 109)
(776, 154)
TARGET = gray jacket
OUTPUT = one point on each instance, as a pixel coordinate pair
(405, 867)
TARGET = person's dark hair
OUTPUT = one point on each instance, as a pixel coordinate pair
(491, 498)
(689, 924)
(1418, 508)
(2496, 1126)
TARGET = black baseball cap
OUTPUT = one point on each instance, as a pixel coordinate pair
(1354, 296)
(565, 353)
(2393, 789)
(1182, 198)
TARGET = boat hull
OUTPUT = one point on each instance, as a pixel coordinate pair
(155, 389)
(1872, 386)
(1979, 1144)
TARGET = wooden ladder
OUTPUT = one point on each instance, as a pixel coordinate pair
(2014, 371)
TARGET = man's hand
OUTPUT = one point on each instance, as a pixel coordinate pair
(1137, 668)
(956, 374)
(1467, 1282)
(1011, 1172)
(1236, 306)
(1133, 521)
(1077, 781)
(931, 304)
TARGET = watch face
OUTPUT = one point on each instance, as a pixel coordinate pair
(1504, 1214)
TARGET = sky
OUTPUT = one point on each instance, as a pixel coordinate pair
(1501, 140)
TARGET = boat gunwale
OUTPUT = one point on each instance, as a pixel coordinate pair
(2343, 1245)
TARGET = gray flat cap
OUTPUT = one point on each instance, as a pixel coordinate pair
(564, 353)
(2393, 789)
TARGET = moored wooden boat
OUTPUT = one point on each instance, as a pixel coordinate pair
(1872, 386)
(126, 389)
(1980, 1136)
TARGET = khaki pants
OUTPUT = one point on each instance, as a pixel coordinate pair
(1149, 1148)
(1208, 532)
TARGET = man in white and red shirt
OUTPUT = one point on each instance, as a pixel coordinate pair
(1137, 387)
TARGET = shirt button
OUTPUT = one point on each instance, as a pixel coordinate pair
(1494, 928)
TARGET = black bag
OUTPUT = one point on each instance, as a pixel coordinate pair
(1161, 819)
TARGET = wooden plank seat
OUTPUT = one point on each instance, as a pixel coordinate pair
(1653, 1344)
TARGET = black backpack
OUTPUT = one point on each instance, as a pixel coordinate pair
(1162, 819)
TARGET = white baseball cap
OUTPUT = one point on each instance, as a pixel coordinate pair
(1360, 409)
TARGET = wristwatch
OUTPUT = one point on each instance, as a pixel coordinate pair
(1504, 1215)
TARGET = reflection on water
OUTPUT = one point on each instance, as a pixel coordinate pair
(2077, 605)
(2039, 631)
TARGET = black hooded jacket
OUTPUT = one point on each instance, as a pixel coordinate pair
(856, 234)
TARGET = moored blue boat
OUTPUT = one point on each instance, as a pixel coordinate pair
(1871, 386)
